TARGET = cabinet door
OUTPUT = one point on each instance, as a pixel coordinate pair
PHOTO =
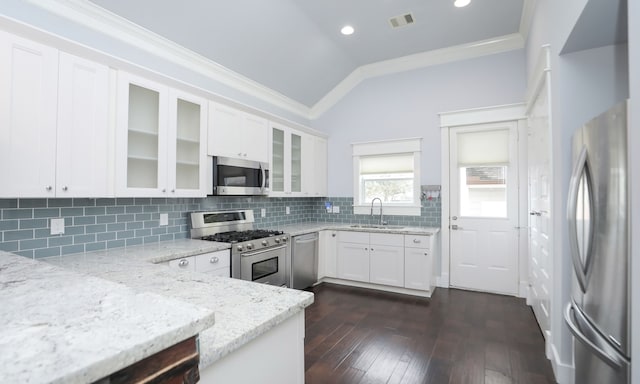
(186, 145)
(28, 100)
(83, 114)
(278, 162)
(387, 265)
(353, 261)
(225, 126)
(255, 137)
(417, 271)
(296, 163)
(141, 137)
(320, 173)
(327, 254)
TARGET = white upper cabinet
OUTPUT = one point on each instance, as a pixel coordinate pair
(237, 134)
(53, 124)
(286, 161)
(314, 166)
(160, 150)
(187, 141)
(83, 130)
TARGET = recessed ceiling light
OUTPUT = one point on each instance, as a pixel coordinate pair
(461, 3)
(347, 30)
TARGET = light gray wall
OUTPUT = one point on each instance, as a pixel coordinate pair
(29, 14)
(407, 105)
(583, 84)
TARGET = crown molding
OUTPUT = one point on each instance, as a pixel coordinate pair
(528, 10)
(92, 16)
(417, 61)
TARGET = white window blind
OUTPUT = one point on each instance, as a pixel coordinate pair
(387, 164)
(483, 148)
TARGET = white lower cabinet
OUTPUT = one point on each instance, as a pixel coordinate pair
(398, 262)
(418, 262)
(386, 265)
(213, 263)
(327, 254)
(353, 261)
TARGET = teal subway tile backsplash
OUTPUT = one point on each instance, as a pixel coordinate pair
(95, 224)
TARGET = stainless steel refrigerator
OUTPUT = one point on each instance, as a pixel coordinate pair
(598, 216)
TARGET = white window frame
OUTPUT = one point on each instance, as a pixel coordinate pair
(381, 148)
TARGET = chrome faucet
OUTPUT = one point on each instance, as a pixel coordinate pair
(381, 217)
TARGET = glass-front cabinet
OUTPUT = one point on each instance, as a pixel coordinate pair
(286, 161)
(160, 140)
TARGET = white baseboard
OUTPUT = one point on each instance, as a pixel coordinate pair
(385, 288)
(443, 281)
(565, 374)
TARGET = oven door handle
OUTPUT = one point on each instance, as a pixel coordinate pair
(264, 178)
(262, 251)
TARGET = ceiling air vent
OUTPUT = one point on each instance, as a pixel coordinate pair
(402, 20)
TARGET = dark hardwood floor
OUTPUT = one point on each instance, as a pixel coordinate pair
(357, 335)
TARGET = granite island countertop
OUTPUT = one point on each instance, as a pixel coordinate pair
(243, 310)
(59, 326)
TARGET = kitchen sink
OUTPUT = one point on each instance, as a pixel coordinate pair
(371, 226)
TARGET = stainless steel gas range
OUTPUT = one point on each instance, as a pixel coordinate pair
(256, 254)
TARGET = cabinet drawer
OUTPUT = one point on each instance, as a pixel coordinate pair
(389, 239)
(185, 263)
(353, 237)
(212, 261)
(223, 272)
(417, 241)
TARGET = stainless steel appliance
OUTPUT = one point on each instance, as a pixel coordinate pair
(256, 254)
(598, 214)
(304, 261)
(239, 176)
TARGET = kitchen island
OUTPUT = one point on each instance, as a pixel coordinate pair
(245, 312)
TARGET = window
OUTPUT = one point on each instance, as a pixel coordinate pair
(389, 171)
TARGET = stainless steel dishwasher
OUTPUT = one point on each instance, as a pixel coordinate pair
(304, 261)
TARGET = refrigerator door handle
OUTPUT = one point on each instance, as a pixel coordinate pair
(596, 344)
(581, 167)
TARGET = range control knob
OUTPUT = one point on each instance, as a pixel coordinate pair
(277, 240)
(239, 247)
(250, 246)
(284, 239)
(265, 243)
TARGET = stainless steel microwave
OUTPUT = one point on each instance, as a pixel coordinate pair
(240, 177)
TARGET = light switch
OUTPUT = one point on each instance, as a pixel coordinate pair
(263, 212)
(287, 210)
(164, 219)
(57, 226)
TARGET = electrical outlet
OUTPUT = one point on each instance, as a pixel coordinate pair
(164, 219)
(57, 226)
(336, 209)
(263, 212)
(287, 210)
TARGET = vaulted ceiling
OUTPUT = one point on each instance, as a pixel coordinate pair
(295, 47)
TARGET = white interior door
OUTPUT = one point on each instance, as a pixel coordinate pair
(484, 207)
(539, 171)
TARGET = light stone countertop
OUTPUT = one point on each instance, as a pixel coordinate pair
(304, 228)
(59, 326)
(243, 310)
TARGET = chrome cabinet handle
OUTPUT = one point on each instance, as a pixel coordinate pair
(183, 263)
(454, 218)
(333, 235)
(214, 260)
(65, 188)
(455, 227)
(48, 187)
(416, 241)
(164, 190)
